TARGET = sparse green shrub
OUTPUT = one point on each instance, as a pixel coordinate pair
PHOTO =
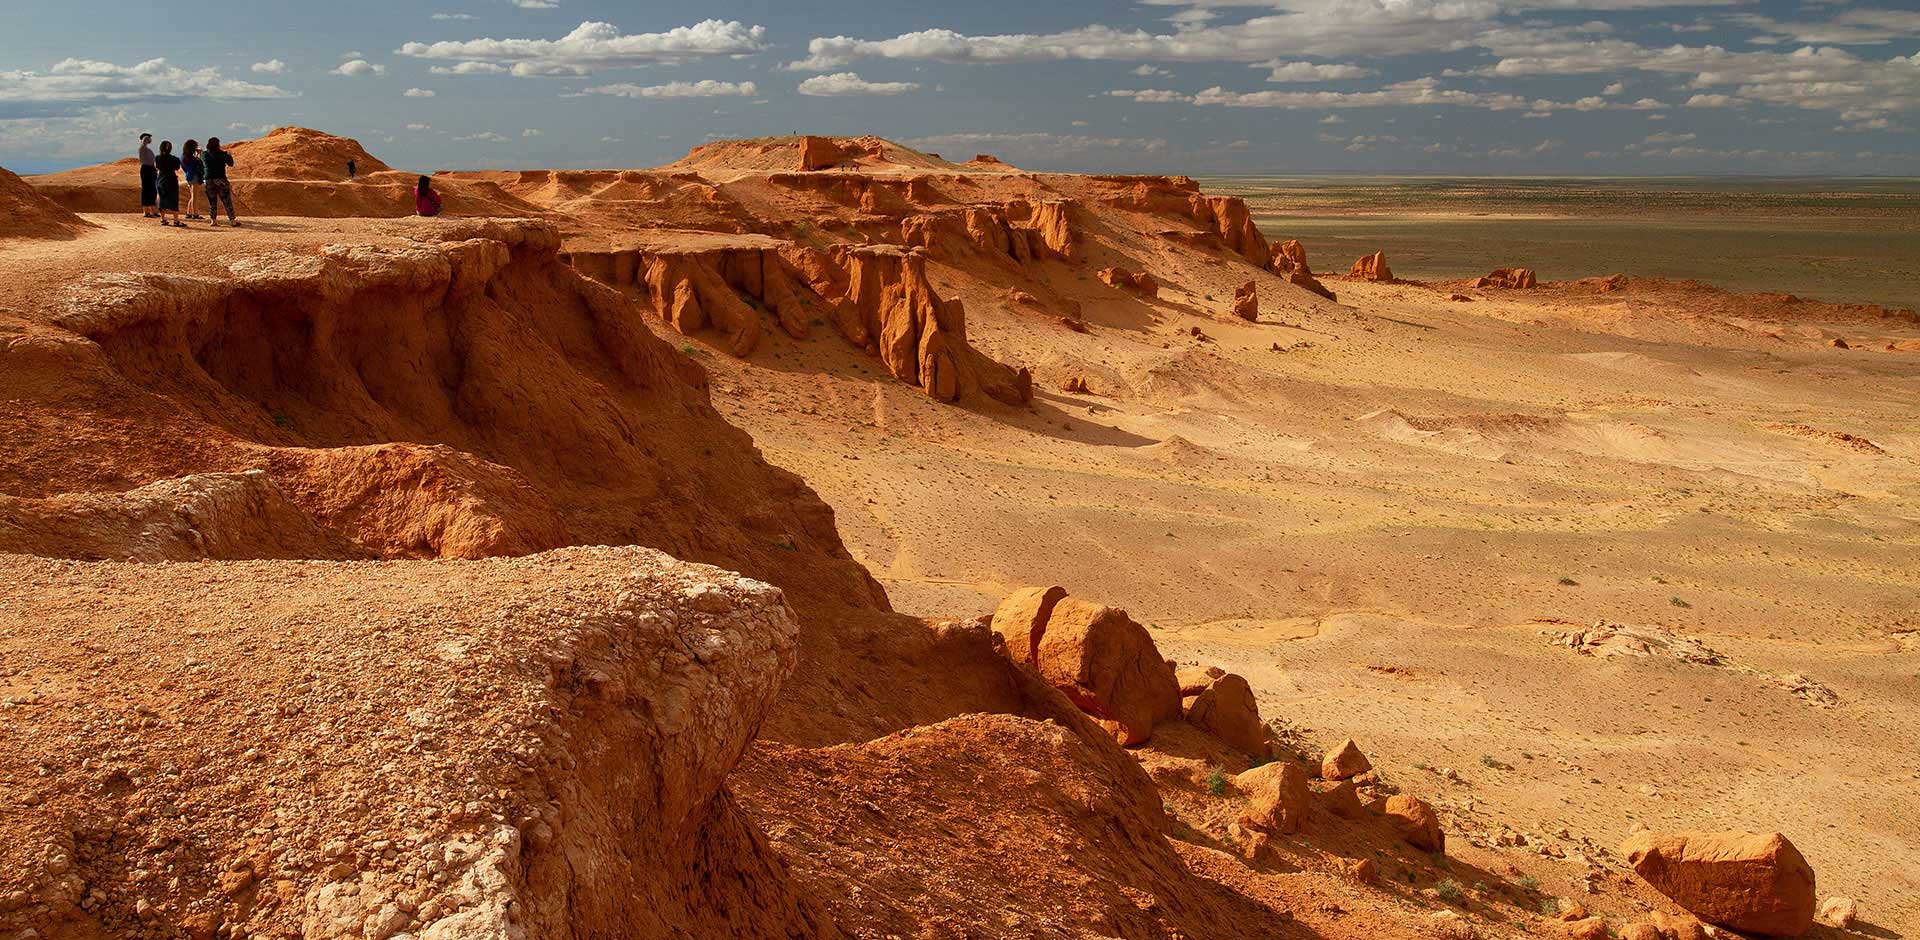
(1450, 891)
(1550, 907)
(1217, 782)
(1529, 883)
(1677, 602)
(1568, 582)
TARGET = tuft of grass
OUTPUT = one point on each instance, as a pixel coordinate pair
(1486, 760)
(686, 348)
(1529, 883)
(1550, 907)
(1568, 582)
(1419, 765)
(1217, 782)
(1450, 891)
(1677, 602)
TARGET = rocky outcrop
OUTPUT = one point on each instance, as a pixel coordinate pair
(1019, 231)
(878, 298)
(818, 153)
(1103, 661)
(200, 516)
(1373, 267)
(1246, 302)
(1510, 278)
(1290, 262)
(1750, 882)
(1224, 705)
(1140, 283)
(529, 723)
(1416, 822)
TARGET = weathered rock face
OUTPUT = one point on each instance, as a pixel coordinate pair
(1416, 822)
(1290, 262)
(1141, 283)
(1342, 800)
(1755, 883)
(878, 298)
(27, 213)
(1246, 302)
(1372, 268)
(1278, 796)
(1344, 761)
(1019, 232)
(203, 515)
(1226, 707)
(818, 153)
(1105, 663)
(1511, 278)
(530, 722)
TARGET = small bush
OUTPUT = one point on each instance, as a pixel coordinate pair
(1677, 602)
(1568, 582)
(1486, 760)
(1530, 883)
(686, 348)
(1450, 891)
(1217, 782)
(1550, 907)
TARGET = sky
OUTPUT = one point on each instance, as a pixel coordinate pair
(1400, 87)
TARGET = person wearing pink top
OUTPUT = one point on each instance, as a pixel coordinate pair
(425, 200)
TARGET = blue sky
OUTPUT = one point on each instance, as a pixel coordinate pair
(1496, 87)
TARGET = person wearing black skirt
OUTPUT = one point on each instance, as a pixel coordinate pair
(167, 167)
(147, 178)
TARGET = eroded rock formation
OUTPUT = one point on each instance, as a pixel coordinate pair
(1373, 267)
(1103, 661)
(1140, 282)
(1246, 302)
(1751, 882)
(1511, 278)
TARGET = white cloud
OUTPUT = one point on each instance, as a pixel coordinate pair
(355, 68)
(1041, 145)
(419, 92)
(1714, 101)
(533, 132)
(1311, 71)
(95, 82)
(1614, 89)
(270, 67)
(1149, 71)
(89, 132)
(536, 4)
(469, 68)
(484, 135)
(453, 16)
(848, 83)
(592, 45)
(705, 88)
(419, 127)
(1333, 119)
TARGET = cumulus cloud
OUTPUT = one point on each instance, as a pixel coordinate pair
(589, 46)
(1149, 71)
(536, 4)
(419, 127)
(356, 68)
(270, 67)
(705, 88)
(1311, 71)
(489, 136)
(453, 16)
(94, 82)
(533, 132)
(842, 84)
(419, 93)
(1038, 144)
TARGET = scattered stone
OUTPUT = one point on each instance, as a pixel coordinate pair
(1641, 931)
(1362, 871)
(1511, 278)
(1342, 800)
(1075, 386)
(1839, 912)
(1460, 298)
(1103, 661)
(1592, 928)
(1141, 283)
(1750, 882)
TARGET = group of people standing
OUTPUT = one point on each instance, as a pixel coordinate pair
(206, 173)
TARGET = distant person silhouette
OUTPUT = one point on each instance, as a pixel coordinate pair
(196, 172)
(167, 168)
(426, 202)
(218, 189)
(147, 178)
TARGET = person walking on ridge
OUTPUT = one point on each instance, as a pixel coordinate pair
(147, 178)
(196, 175)
(167, 169)
(218, 189)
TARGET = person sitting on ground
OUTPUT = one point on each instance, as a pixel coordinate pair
(425, 201)
(218, 189)
(167, 167)
(196, 175)
(147, 178)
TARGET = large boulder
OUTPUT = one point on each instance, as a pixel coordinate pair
(1344, 762)
(1246, 302)
(1278, 796)
(1416, 822)
(1750, 882)
(1141, 283)
(1226, 707)
(1103, 661)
